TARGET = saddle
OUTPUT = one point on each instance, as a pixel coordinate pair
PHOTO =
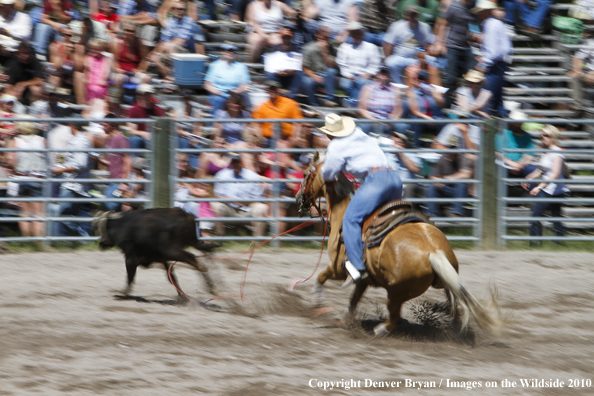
(388, 217)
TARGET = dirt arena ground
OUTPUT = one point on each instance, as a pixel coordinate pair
(63, 331)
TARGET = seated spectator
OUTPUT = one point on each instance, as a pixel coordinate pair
(49, 105)
(428, 9)
(309, 137)
(424, 101)
(226, 188)
(276, 107)
(129, 67)
(193, 190)
(189, 133)
(289, 79)
(358, 62)
(56, 15)
(467, 136)
(24, 75)
(226, 76)
(583, 63)
(142, 13)
(266, 19)
(136, 190)
(334, 15)
(144, 107)
(66, 62)
(107, 14)
(380, 100)
(232, 132)
(531, 18)
(28, 165)
(319, 68)
(451, 166)
(406, 164)
(550, 167)
(403, 40)
(582, 9)
(211, 163)
(119, 165)
(71, 166)
(518, 164)
(473, 97)
(13, 23)
(376, 16)
(94, 80)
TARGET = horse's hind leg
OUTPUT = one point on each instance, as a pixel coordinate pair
(395, 302)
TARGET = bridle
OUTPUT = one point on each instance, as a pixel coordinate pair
(307, 197)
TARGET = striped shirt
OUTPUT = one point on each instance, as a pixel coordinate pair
(130, 7)
(382, 100)
(184, 28)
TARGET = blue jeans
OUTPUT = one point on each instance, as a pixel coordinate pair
(218, 102)
(184, 143)
(292, 83)
(352, 87)
(532, 18)
(112, 206)
(448, 190)
(397, 64)
(43, 36)
(75, 210)
(378, 189)
(539, 209)
(460, 60)
(138, 142)
(495, 80)
(310, 86)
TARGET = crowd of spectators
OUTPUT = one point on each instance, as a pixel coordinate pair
(384, 60)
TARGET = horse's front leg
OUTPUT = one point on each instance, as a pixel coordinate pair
(356, 297)
(318, 288)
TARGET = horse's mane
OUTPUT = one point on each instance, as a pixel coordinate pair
(343, 187)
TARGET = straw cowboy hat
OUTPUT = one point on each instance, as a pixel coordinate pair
(474, 76)
(338, 126)
(484, 5)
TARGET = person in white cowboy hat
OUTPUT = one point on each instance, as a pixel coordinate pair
(473, 97)
(496, 48)
(352, 151)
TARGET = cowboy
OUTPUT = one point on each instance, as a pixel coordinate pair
(352, 151)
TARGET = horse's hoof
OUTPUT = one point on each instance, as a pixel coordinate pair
(381, 330)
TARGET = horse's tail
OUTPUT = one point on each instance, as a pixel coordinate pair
(458, 294)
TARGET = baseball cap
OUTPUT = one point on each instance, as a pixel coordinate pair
(228, 47)
(354, 26)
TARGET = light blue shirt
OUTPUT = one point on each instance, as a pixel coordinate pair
(496, 45)
(240, 190)
(227, 77)
(355, 154)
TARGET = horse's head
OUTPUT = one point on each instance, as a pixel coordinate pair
(311, 186)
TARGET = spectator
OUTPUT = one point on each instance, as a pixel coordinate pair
(7, 104)
(289, 79)
(212, 163)
(107, 15)
(583, 63)
(532, 18)
(66, 62)
(424, 101)
(56, 15)
(28, 165)
(74, 165)
(24, 75)
(231, 132)
(181, 33)
(406, 164)
(428, 9)
(467, 136)
(451, 166)
(143, 14)
(358, 62)
(518, 164)
(13, 23)
(188, 132)
(453, 40)
(380, 100)
(119, 165)
(496, 47)
(266, 19)
(128, 68)
(582, 9)
(403, 40)
(319, 68)
(376, 16)
(226, 76)
(550, 167)
(277, 107)
(135, 189)
(335, 15)
(144, 107)
(473, 97)
(225, 188)
(97, 70)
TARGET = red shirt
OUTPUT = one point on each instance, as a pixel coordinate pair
(104, 19)
(140, 112)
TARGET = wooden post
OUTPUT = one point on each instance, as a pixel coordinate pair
(489, 196)
(161, 164)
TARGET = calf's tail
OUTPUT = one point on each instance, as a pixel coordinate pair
(486, 317)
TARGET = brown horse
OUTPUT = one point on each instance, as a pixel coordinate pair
(409, 259)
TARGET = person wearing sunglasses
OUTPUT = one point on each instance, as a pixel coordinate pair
(552, 168)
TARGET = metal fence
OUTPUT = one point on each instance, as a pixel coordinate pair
(487, 226)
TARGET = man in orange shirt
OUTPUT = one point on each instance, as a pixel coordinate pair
(277, 107)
